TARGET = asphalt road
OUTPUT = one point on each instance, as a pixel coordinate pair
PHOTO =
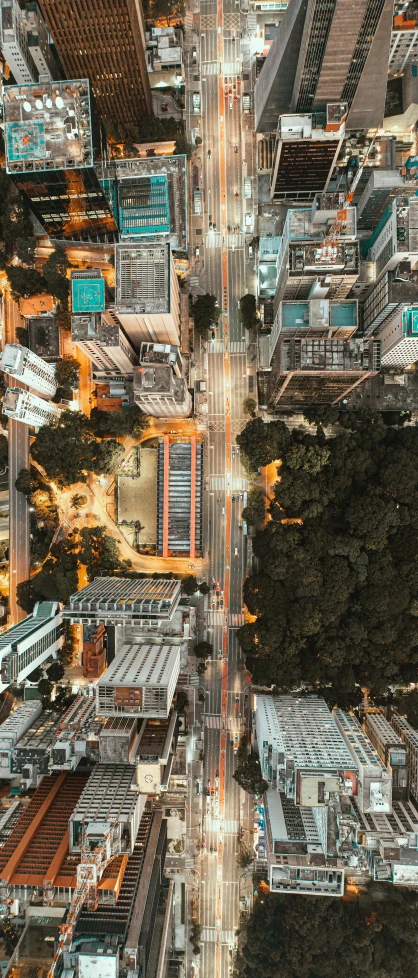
(19, 522)
(226, 360)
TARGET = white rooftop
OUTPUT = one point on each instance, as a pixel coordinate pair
(142, 665)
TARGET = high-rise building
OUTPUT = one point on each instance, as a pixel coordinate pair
(53, 138)
(94, 652)
(409, 737)
(392, 295)
(25, 42)
(17, 361)
(307, 147)
(375, 783)
(104, 41)
(395, 343)
(149, 197)
(101, 337)
(26, 407)
(158, 390)
(140, 682)
(316, 371)
(147, 292)
(119, 600)
(391, 750)
(27, 644)
(327, 53)
(404, 42)
(107, 803)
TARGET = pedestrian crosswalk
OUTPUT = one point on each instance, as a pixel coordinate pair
(208, 22)
(194, 282)
(216, 618)
(231, 67)
(218, 722)
(231, 826)
(209, 68)
(235, 240)
(236, 621)
(238, 346)
(211, 934)
(213, 239)
(216, 346)
(217, 482)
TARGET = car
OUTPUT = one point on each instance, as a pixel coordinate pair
(208, 782)
(211, 848)
(197, 252)
(235, 738)
(237, 699)
(233, 453)
(210, 226)
(250, 251)
(236, 552)
(194, 55)
(240, 526)
(219, 653)
(216, 773)
(212, 791)
(164, 107)
(222, 593)
(209, 154)
(217, 783)
(214, 586)
(214, 225)
(213, 334)
(235, 149)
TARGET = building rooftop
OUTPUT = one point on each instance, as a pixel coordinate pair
(143, 277)
(145, 598)
(142, 665)
(309, 733)
(158, 378)
(49, 346)
(87, 293)
(47, 126)
(44, 610)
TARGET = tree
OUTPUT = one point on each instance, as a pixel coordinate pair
(204, 587)
(67, 374)
(55, 671)
(249, 405)
(254, 512)
(248, 310)
(130, 422)
(205, 312)
(98, 551)
(55, 273)
(63, 317)
(407, 705)
(189, 584)
(182, 700)
(108, 456)
(66, 448)
(248, 776)
(25, 596)
(78, 500)
(22, 335)
(203, 650)
(57, 578)
(35, 676)
(24, 281)
(371, 936)
(183, 147)
(25, 249)
(263, 442)
(45, 689)
(245, 857)
(334, 601)
(4, 452)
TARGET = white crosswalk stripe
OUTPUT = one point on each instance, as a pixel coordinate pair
(235, 240)
(216, 617)
(213, 721)
(238, 346)
(209, 68)
(231, 827)
(227, 937)
(194, 281)
(232, 67)
(216, 346)
(213, 239)
(208, 21)
(238, 484)
(216, 721)
(217, 482)
(208, 934)
(212, 824)
(236, 621)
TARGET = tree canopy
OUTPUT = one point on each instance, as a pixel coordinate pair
(99, 551)
(374, 935)
(205, 312)
(130, 422)
(67, 449)
(24, 281)
(248, 775)
(67, 374)
(335, 596)
(55, 274)
(248, 310)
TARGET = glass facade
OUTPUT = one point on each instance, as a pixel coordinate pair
(69, 203)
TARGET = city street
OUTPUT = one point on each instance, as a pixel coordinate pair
(225, 361)
(19, 521)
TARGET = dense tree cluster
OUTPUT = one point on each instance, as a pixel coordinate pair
(56, 580)
(374, 935)
(44, 513)
(248, 775)
(131, 422)
(336, 592)
(205, 312)
(248, 311)
(68, 450)
(99, 552)
(67, 377)
(255, 510)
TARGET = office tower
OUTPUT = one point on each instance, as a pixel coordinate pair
(158, 390)
(102, 338)
(52, 142)
(395, 343)
(165, 60)
(391, 750)
(107, 803)
(25, 43)
(149, 197)
(119, 600)
(316, 371)
(304, 269)
(375, 783)
(140, 682)
(396, 237)
(390, 297)
(26, 645)
(327, 53)
(404, 42)
(104, 41)
(312, 318)
(306, 151)
(17, 361)
(147, 292)
(179, 498)
(409, 737)
(26, 407)
(380, 190)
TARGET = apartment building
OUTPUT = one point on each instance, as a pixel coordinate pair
(19, 362)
